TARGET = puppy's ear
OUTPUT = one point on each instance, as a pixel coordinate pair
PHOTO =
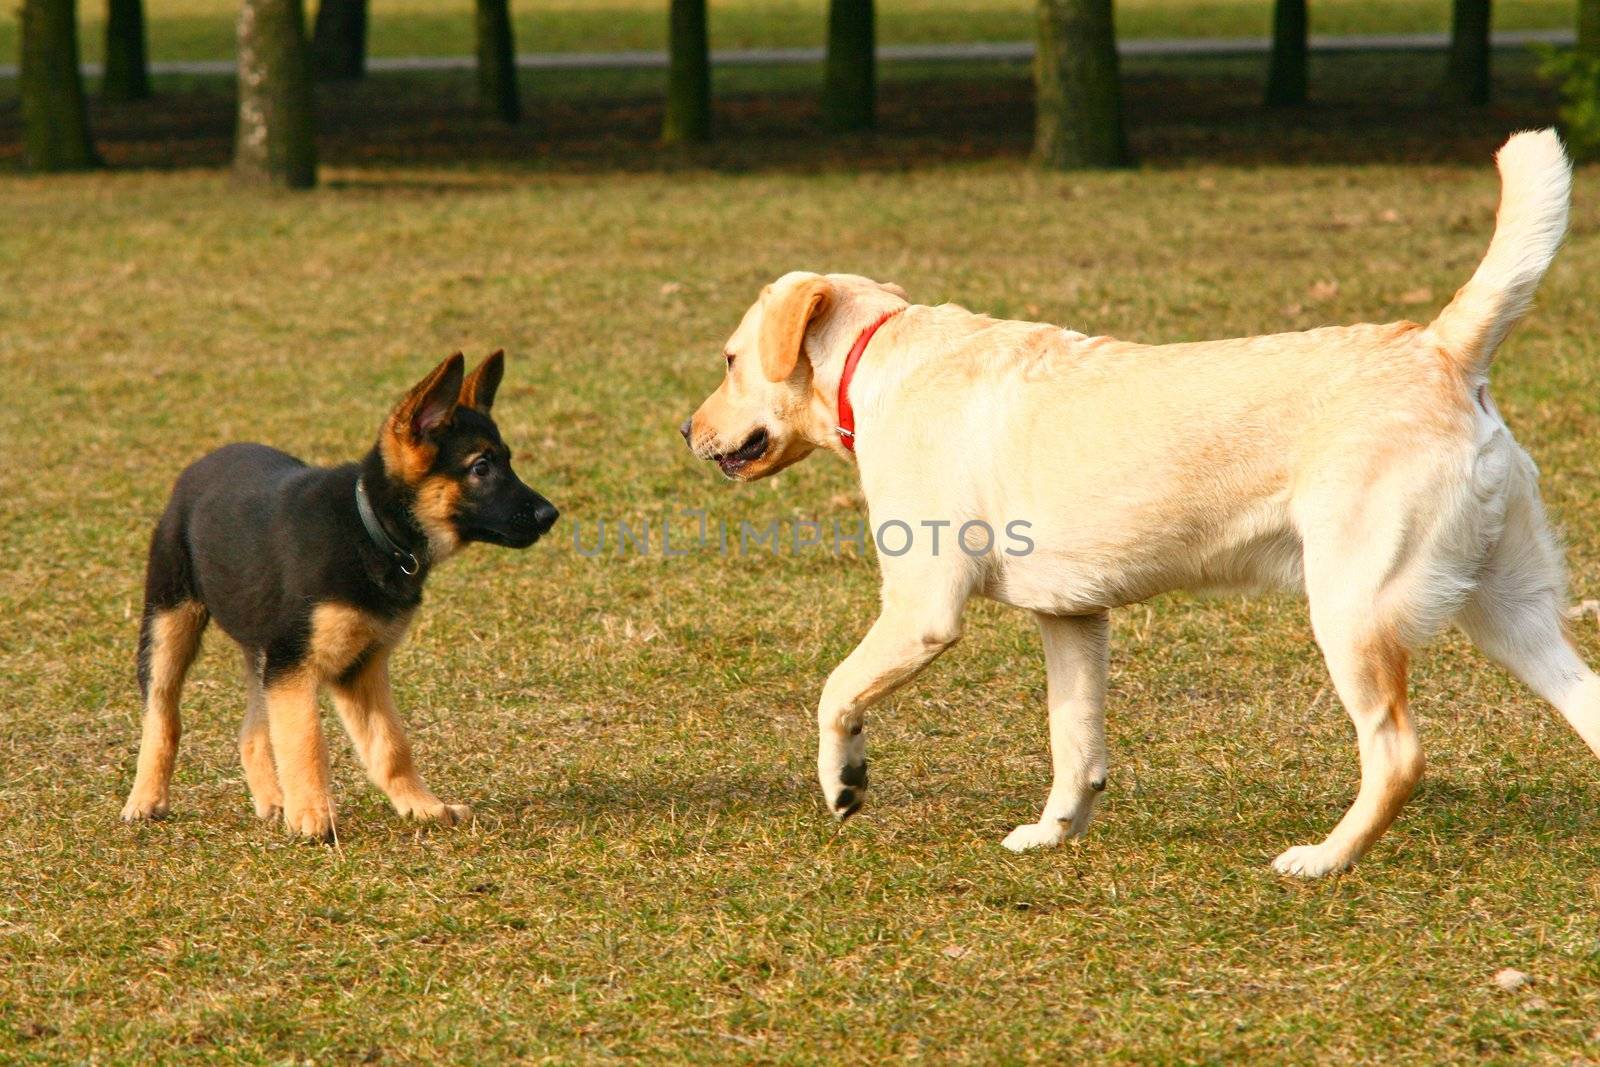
(429, 406)
(891, 287)
(783, 324)
(477, 392)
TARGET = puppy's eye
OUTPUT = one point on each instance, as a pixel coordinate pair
(729, 357)
(480, 467)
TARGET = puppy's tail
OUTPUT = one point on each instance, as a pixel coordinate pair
(1535, 185)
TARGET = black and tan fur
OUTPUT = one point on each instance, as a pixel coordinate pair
(278, 554)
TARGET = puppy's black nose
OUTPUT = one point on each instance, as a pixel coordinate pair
(687, 428)
(545, 516)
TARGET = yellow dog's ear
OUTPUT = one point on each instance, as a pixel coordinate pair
(783, 324)
(891, 287)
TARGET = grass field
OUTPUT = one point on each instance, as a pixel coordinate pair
(203, 29)
(651, 874)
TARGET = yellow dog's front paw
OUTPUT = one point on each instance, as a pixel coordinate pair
(1036, 835)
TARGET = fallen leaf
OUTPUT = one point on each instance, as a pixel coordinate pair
(1292, 310)
(669, 288)
(1326, 289)
(955, 952)
(1421, 295)
(646, 633)
(629, 630)
(1389, 215)
(1510, 979)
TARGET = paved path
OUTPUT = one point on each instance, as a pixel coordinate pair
(1016, 51)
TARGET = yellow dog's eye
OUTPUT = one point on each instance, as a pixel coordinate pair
(729, 357)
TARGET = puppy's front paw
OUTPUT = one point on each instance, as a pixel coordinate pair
(139, 808)
(311, 820)
(1313, 861)
(430, 808)
(1036, 835)
(449, 814)
(268, 802)
(268, 810)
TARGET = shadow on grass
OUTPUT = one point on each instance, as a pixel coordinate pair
(1368, 108)
(1459, 809)
(1543, 808)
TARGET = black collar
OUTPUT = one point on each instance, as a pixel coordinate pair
(407, 561)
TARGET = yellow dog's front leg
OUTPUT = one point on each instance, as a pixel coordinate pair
(909, 633)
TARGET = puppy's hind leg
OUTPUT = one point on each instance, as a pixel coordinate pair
(169, 638)
(255, 744)
(1075, 653)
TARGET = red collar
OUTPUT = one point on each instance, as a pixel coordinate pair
(847, 414)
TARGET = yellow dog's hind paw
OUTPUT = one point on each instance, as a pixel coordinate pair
(1313, 861)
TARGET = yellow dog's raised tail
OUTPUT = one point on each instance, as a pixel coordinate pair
(1535, 186)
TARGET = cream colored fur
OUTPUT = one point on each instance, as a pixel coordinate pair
(1365, 465)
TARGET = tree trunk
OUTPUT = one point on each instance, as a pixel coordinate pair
(1589, 28)
(55, 117)
(850, 82)
(339, 40)
(497, 61)
(688, 74)
(276, 142)
(1286, 77)
(1078, 120)
(127, 69)
(1466, 77)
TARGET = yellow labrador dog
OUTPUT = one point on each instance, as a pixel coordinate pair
(1366, 465)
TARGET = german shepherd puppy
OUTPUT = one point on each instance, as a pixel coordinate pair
(316, 573)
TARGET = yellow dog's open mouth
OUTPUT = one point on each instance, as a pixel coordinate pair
(754, 447)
